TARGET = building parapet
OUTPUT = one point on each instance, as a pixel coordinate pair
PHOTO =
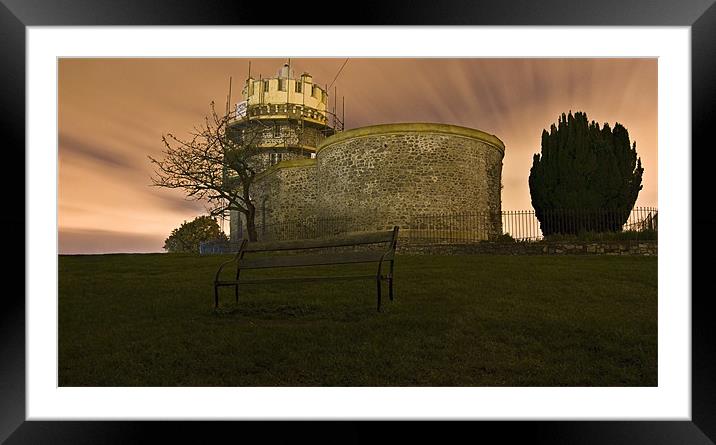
(290, 163)
(418, 127)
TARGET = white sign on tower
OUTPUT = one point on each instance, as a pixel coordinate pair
(241, 109)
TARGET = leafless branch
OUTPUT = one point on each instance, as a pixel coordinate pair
(211, 165)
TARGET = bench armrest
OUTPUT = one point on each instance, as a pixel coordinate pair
(236, 258)
(391, 250)
(221, 267)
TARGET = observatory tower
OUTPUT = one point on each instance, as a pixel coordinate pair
(290, 112)
(289, 115)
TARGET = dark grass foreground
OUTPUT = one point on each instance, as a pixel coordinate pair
(147, 320)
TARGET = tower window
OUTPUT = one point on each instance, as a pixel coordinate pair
(282, 84)
(298, 86)
(266, 86)
(313, 91)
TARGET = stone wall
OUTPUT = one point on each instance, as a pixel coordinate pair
(644, 248)
(262, 162)
(387, 175)
(285, 193)
(641, 248)
(289, 134)
(373, 178)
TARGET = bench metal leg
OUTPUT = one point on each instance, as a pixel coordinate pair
(216, 294)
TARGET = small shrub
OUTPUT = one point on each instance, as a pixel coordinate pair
(505, 238)
(187, 237)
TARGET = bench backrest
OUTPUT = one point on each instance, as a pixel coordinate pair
(388, 236)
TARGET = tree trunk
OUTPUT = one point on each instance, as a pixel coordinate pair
(251, 223)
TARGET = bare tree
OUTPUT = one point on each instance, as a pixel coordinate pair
(215, 166)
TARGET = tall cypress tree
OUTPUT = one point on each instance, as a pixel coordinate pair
(585, 178)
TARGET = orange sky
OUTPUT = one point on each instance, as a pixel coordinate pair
(113, 112)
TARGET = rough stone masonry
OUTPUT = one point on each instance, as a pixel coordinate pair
(385, 175)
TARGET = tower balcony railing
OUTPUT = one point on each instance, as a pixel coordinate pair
(289, 111)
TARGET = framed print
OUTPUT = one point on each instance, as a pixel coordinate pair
(75, 63)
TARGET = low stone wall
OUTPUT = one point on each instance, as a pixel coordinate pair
(644, 248)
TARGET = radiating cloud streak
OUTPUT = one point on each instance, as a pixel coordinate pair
(73, 147)
(113, 112)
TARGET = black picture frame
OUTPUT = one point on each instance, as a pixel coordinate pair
(700, 15)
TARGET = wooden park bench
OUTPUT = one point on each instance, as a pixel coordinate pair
(246, 258)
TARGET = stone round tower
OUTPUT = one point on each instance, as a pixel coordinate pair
(395, 174)
(287, 116)
(289, 113)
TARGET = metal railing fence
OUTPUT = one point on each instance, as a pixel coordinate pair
(639, 223)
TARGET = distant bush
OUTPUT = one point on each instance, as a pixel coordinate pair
(188, 236)
(505, 238)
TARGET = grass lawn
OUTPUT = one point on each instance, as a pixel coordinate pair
(148, 320)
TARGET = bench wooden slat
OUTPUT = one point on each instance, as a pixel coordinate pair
(348, 240)
(292, 279)
(312, 260)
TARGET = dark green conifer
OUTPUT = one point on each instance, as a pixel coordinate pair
(585, 178)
